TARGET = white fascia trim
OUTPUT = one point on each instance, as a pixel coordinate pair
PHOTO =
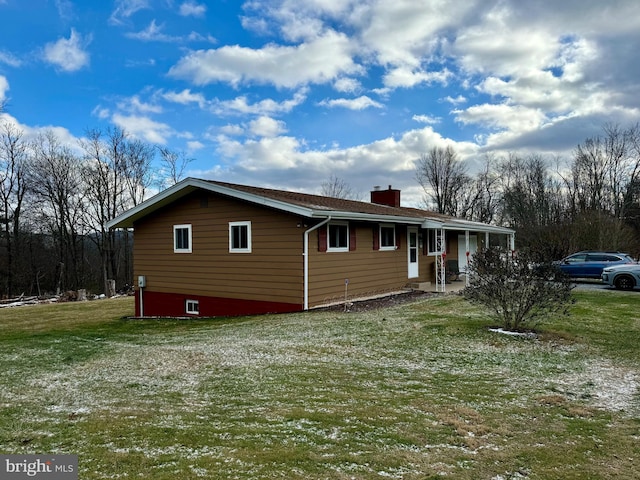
(478, 227)
(366, 217)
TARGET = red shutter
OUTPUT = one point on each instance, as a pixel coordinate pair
(322, 238)
(376, 237)
(352, 237)
(398, 242)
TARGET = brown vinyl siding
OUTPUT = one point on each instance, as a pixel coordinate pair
(369, 271)
(271, 272)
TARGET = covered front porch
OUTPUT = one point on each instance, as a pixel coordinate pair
(452, 244)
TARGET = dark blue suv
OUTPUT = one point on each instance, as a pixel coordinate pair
(590, 264)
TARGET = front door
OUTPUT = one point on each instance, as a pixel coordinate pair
(412, 244)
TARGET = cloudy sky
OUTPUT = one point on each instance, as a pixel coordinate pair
(286, 93)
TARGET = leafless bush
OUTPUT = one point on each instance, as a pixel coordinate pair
(517, 291)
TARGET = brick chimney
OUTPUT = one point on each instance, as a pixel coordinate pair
(390, 197)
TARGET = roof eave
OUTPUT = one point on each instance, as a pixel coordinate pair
(366, 217)
(189, 185)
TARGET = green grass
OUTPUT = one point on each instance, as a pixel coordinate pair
(418, 391)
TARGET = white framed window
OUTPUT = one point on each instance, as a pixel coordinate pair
(435, 241)
(240, 237)
(338, 237)
(192, 307)
(387, 237)
(182, 239)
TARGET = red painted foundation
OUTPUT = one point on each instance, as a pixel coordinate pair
(174, 305)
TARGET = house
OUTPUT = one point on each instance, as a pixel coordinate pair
(209, 248)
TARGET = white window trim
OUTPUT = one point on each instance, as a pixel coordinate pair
(395, 243)
(191, 303)
(189, 229)
(337, 249)
(240, 250)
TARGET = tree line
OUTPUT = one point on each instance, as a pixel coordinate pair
(55, 202)
(557, 206)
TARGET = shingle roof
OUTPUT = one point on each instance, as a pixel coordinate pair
(304, 204)
(319, 202)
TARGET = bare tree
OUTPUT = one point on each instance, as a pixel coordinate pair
(57, 186)
(116, 174)
(479, 196)
(336, 187)
(174, 165)
(13, 188)
(443, 177)
(137, 170)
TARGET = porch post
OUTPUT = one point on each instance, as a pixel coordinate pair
(466, 247)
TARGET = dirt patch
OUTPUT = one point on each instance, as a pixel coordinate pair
(376, 303)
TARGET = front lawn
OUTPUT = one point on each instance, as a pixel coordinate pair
(416, 391)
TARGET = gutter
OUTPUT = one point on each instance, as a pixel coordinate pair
(305, 254)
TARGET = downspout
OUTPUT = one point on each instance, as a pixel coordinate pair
(305, 254)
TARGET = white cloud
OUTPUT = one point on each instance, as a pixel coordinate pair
(359, 103)
(267, 106)
(68, 55)
(232, 130)
(153, 33)
(185, 97)
(64, 136)
(428, 119)
(284, 162)
(192, 9)
(405, 32)
(194, 145)
(125, 9)
(9, 59)
(407, 78)
(515, 118)
(144, 128)
(318, 61)
(135, 105)
(267, 127)
(455, 101)
(101, 112)
(347, 85)
(65, 9)
(4, 88)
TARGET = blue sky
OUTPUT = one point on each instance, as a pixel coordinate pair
(286, 93)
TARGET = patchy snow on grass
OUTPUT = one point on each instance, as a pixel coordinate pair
(513, 334)
(603, 385)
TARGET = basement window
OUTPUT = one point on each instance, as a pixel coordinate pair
(192, 307)
(182, 238)
(240, 237)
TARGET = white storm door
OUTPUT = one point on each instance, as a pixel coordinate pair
(412, 252)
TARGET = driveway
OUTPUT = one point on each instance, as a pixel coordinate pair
(591, 284)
